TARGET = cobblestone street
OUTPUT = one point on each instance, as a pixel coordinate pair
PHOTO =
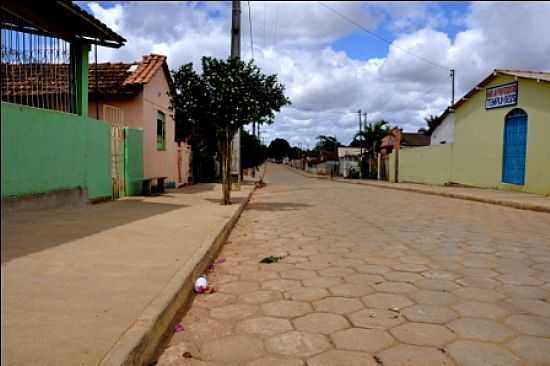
(371, 276)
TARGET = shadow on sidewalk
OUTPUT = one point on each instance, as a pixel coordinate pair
(29, 232)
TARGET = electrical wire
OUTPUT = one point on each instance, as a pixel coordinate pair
(345, 17)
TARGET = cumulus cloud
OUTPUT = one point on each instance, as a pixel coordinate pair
(327, 87)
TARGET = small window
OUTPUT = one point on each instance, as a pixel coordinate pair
(161, 131)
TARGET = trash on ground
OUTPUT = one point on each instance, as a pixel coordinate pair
(220, 261)
(201, 284)
(271, 259)
(179, 328)
(394, 309)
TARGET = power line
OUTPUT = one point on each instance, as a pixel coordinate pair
(343, 16)
(250, 26)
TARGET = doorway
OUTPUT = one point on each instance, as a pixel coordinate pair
(514, 147)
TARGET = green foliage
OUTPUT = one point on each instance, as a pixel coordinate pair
(372, 133)
(226, 96)
(431, 122)
(253, 152)
(279, 149)
(327, 143)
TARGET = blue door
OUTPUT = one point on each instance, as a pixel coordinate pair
(515, 144)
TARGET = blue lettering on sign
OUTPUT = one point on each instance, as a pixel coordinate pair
(501, 100)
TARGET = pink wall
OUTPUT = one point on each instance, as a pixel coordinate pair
(141, 112)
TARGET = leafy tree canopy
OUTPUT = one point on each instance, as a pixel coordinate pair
(327, 143)
(226, 96)
(431, 123)
(279, 148)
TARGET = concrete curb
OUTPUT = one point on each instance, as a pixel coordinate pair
(139, 344)
(512, 204)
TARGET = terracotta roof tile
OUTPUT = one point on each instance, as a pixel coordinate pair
(110, 79)
(146, 69)
(124, 78)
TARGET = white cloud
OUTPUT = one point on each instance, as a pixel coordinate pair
(328, 87)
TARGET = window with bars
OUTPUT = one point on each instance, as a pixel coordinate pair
(36, 69)
(161, 131)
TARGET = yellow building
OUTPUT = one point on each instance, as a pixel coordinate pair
(500, 137)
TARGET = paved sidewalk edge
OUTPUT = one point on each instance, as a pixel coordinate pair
(512, 204)
(138, 345)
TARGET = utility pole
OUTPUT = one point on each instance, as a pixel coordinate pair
(236, 53)
(452, 87)
(254, 135)
(360, 129)
(360, 145)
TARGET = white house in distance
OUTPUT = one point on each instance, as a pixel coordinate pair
(444, 131)
(348, 158)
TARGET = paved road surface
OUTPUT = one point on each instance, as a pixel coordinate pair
(373, 277)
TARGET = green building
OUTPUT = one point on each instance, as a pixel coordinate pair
(49, 144)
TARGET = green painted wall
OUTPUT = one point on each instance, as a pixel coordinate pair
(44, 150)
(133, 156)
(427, 164)
(478, 140)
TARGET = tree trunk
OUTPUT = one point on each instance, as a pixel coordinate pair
(226, 182)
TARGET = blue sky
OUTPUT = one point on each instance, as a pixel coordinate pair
(329, 67)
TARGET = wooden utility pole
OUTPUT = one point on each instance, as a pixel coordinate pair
(236, 53)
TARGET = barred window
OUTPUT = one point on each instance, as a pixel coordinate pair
(36, 69)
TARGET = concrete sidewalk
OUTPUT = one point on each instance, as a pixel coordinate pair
(81, 286)
(520, 200)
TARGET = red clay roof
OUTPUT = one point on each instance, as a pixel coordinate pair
(146, 69)
(125, 78)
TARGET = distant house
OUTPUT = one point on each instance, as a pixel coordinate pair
(348, 160)
(408, 139)
(443, 132)
(137, 95)
(50, 147)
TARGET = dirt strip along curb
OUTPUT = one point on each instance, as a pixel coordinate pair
(512, 204)
(140, 343)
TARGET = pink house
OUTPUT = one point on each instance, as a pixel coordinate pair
(137, 95)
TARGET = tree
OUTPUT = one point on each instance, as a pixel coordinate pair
(295, 153)
(278, 149)
(253, 152)
(371, 135)
(226, 96)
(327, 143)
(432, 122)
(192, 124)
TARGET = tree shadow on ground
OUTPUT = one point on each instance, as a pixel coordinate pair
(27, 232)
(276, 206)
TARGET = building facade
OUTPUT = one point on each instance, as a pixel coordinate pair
(50, 147)
(500, 138)
(137, 95)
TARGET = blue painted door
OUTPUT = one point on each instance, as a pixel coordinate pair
(515, 145)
